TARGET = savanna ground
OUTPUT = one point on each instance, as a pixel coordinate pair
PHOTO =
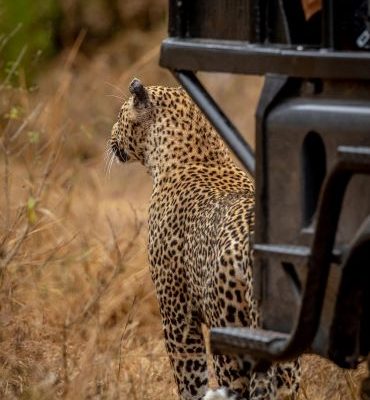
(78, 315)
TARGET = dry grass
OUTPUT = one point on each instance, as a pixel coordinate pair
(78, 315)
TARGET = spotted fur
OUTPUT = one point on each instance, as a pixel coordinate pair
(201, 223)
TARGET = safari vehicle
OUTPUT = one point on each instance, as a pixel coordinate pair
(312, 163)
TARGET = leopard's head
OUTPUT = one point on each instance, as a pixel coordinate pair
(129, 133)
(161, 127)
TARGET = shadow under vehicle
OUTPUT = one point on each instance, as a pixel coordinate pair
(312, 164)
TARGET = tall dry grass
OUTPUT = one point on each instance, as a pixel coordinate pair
(78, 316)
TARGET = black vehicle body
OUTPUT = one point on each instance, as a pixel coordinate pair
(312, 163)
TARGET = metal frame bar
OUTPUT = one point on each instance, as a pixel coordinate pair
(245, 58)
(350, 308)
(328, 21)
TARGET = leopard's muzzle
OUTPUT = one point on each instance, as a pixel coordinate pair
(119, 153)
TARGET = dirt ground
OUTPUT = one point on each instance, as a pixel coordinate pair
(78, 314)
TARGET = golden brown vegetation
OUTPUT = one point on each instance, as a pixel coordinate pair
(78, 315)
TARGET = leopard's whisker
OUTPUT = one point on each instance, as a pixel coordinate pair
(108, 152)
(108, 160)
(116, 88)
(107, 155)
(113, 157)
(108, 144)
(120, 153)
(107, 164)
(115, 96)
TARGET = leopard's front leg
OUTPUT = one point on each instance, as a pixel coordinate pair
(186, 350)
(182, 331)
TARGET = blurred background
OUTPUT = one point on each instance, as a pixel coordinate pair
(78, 315)
(40, 30)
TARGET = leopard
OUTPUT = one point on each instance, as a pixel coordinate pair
(200, 245)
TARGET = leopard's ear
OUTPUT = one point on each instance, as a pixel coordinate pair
(141, 97)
